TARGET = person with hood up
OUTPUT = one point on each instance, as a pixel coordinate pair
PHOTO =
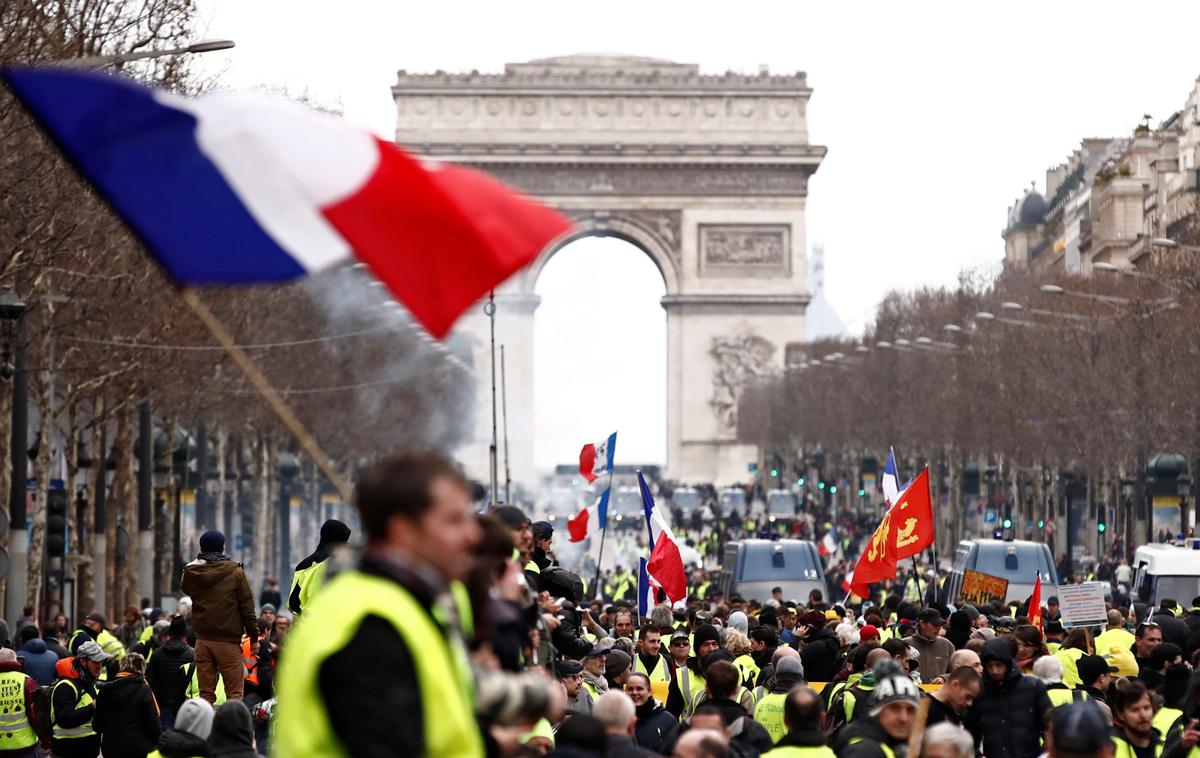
(310, 572)
(821, 647)
(655, 724)
(126, 715)
(222, 611)
(189, 738)
(166, 672)
(1009, 717)
(770, 707)
(959, 631)
(889, 722)
(543, 541)
(232, 734)
(39, 661)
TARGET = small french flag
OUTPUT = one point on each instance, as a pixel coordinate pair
(232, 188)
(590, 520)
(597, 459)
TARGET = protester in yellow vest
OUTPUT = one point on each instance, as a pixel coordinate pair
(189, 737)
(651, 662)
(769, 707)
(1134, 735)
(378, 662)
(72, 703)
(802, 714)
(16, 687)
(310, 572)
(1116, 635)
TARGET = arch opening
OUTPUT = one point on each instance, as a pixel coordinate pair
(600, 352)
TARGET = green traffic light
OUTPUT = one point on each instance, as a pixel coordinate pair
(862, 492)
(821, 485)
(800, 482)
(1007, 523)
(774, 472)
(833, 489)
(1101, 527)
(1041, 523)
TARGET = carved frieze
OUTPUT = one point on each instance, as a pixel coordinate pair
(641, 180)
(745, 249)
(739, 358)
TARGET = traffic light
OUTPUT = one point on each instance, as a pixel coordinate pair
(1101, 516)
(56, 523)
(800, 482)
(833, 489)
(1007, 522)
(821, 486)
(1101, 527)
(774, 473)
(1041, 523)
(862, 492)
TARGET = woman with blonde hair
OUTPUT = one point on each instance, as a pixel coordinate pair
(126, 713)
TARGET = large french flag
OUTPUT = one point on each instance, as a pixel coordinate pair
(596, 459)
(665, 567)
(233, 188)
(589, 521)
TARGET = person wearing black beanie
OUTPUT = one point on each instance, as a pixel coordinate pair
(310, 572)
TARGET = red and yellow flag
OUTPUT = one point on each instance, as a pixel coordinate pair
(1034, 612)
(905, 530)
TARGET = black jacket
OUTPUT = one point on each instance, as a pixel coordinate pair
(743, 729)
(1009, 716)
(820, 656)
(322, 553)
(939, 712)
(1173, 630)
(655, 725)
(862, 738)
(166, 675)
(175, 744)
(377, 710)
(64, 701)
(126, 718)
(622, 746)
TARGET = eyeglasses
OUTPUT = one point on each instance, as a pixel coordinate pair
(679, 643)
(1144, 626)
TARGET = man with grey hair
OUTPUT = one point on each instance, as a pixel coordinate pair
(947, 740)
(662, 617)
(619, 716)
(1049, 669)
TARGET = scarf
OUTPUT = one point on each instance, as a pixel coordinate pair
(214, 557)
(601, 684)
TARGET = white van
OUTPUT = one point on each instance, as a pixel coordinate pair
(1167, 571)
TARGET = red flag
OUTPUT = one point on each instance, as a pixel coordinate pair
(665, 568)
(912, 518)
(877, 562)
(1034, 613)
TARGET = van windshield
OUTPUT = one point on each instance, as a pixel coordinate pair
(1018, 567)
(794, 564)
(1179, 588)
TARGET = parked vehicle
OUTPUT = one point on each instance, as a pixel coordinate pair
(781, 505)
(752, 568)
(1167, 571)
(1014, 560)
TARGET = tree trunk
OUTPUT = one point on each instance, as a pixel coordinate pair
(262, 511)
(123, 504)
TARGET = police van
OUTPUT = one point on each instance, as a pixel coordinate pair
(1014, 560)
(752, 568)
(1167, 571)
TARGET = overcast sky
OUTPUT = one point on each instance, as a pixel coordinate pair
(936, 115)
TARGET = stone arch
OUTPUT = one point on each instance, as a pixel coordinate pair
(657, 245)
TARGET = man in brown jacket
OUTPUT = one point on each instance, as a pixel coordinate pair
(222, 610)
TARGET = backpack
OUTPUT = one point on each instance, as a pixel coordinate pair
(39, 718)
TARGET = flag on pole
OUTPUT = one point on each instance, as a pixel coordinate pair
(891, 481)
(596, 459)
(589, 521)
(828, 544)
(912, 517)
(644, 589)
(665, 567)
(1034, 612)
(235, 188)
(877, 563)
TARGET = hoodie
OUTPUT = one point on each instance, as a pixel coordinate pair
(862, 738)
(222, 604)
(232, 733)
(820, 655)
(1009, 716)
(39, 661)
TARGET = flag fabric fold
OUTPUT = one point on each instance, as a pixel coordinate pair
(1034, 612)
(644, 589)
(665, 567)
(589, 521)
(596, 459)
(233, 188)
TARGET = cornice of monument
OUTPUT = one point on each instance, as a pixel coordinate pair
(465, 150)
(609, 73)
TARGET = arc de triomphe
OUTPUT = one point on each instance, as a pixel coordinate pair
(708, 174)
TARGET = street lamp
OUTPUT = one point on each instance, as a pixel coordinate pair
(1009, 305)
(953, 328)
(883, 344)
(985, 316)
(99, 61)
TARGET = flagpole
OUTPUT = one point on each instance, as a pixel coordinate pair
(917, 575)
(603, 532)
(259, 380)
(504, 411)
(489, 309)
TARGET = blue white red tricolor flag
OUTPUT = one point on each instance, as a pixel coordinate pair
(828, 545)
(665, 567)
(591, 520)
(232, 188)
(596, 459)
(644, 589)
(891, 481)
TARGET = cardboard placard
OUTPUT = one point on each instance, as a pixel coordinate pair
(979, 587)
(1082, 604)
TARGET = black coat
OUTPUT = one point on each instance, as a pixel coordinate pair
(1009, 716)
(166, 675)
(655, 725)
(820, 656)
(862, 738)
(126, 718)
(1173, 630)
